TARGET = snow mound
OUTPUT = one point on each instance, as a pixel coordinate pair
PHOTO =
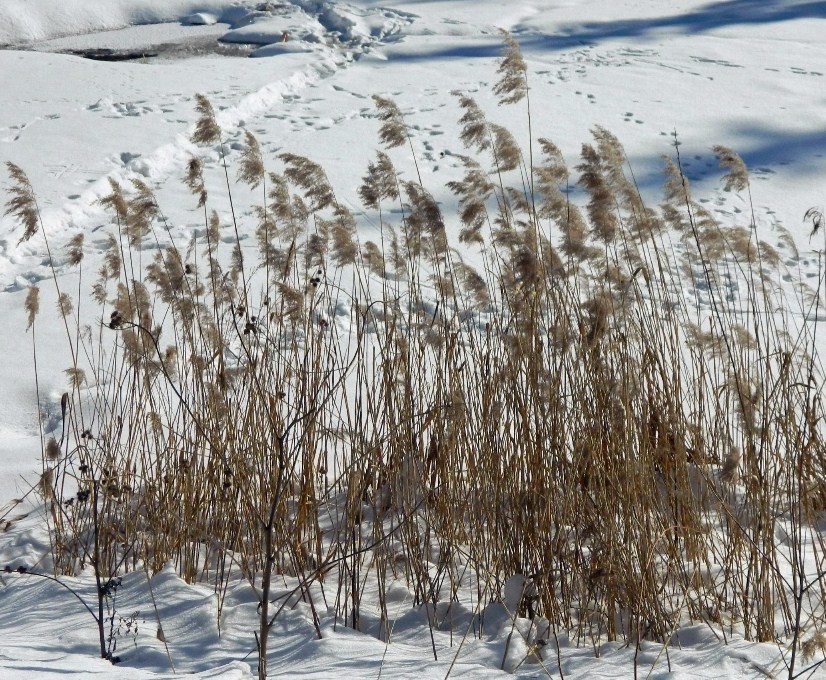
(273, 50)
(200, 19)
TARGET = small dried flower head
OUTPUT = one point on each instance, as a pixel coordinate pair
(513, 83)
(737, 177)
(64, 305)
(815, 644)
(729, 473)
(77, 376)
(32, 305)
(52, 449)
(46, 485)
(393, 132)
(206, 129)
(22, 203)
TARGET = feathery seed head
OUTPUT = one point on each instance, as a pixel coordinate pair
(76, 250)
(475, 132)
(206, 128)
(52, 449)
(310, 177)
(251, 171)
(22, 203)
(379, 183)
(393, 131)
(513, 83)
(737, 177)
(115, 200)
(194, 179)
(32, 305)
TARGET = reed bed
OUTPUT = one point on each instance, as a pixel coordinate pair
(617, 405)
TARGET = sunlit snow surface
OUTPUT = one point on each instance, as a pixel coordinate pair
(744, 73)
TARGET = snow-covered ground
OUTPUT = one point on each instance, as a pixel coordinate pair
(748, 74)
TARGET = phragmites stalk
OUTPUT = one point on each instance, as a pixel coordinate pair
(115, 200)
(551, 176)
(505, 149)
(251, 171)
(110, 269)
(32, 305)
(393, 131)
(142, 210)
(310, 177)
(602, 204)
(194, 180)
(213, 230)
(737, 177)
(677, 188)
(473, 191)
(474, 284)
(76, 250)
(373, 257)
(474, 124)
(206, 129)
(293, 301)
(342, 231)
(22, 203)
(513, 83)
(379, 183)
(425, 216)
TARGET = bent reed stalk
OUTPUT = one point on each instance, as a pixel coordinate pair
(621, 403)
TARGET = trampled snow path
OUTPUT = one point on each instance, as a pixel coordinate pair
(327, 37)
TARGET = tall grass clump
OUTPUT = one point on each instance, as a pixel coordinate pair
(615, 405)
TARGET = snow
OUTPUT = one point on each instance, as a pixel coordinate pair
(748, 74)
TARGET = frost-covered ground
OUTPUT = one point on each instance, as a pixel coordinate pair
(745, 73)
